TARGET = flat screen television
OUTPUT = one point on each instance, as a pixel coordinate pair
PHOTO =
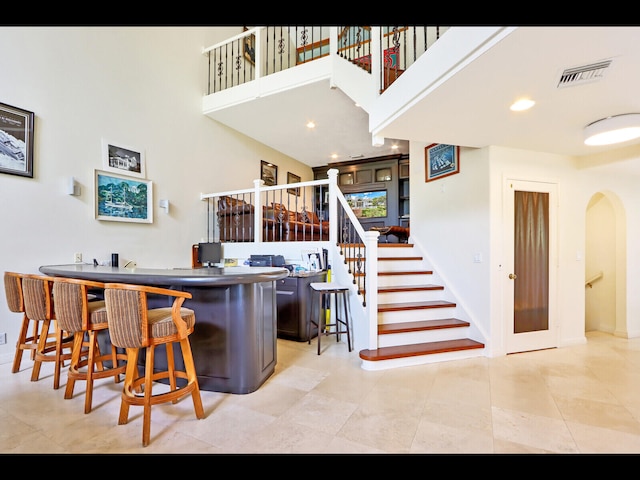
(368, 204)
(210, 254)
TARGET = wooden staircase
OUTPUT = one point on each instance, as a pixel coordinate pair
(415, 325)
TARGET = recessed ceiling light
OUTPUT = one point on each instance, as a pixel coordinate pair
(334, 156)
(311, 125)
(522, 104)
(394, 147)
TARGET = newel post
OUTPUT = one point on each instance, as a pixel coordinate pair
(257, 211)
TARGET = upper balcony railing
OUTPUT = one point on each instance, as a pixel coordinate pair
(263, 51)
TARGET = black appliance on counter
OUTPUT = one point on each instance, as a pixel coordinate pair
(266, 261)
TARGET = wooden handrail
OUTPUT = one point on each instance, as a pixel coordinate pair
(590, 281)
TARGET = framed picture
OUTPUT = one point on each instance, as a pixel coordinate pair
(122, 159)
(441, 161)
(291, 178)
(250, 47)
(119, 198)
(16, 141)
(268, 173)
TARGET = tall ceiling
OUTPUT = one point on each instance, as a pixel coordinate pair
(470, 108)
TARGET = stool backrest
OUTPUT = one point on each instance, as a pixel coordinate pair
(13, 291)
(126, 311)
(71, 304)
(38, 303)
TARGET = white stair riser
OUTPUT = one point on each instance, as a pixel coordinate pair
(397, 252)
(422, 336)
(398, 266)
(421, 359)
(396, 280)
(416, 315)
(411, 296)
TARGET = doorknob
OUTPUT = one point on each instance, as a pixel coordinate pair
(513, 276)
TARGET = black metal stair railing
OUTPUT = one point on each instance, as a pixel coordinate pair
(233, 62)
(352, 248)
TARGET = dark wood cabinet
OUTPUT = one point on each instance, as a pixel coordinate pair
(361, 180)
(292, 298)
(403, 193)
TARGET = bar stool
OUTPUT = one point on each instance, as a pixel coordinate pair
(15, 301)
(136, 327)
(38, 306)
(324, 291)
(76, 314)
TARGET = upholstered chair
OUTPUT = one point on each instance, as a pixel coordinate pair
(77, 313)
(54, 345)
(138, 328)
(15, 302)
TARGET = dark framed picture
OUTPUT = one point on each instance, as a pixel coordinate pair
(123, 159)
(250, 47)
(441, 160)
(291, 178)
(268, 173)
(16, 141)
(119, 198)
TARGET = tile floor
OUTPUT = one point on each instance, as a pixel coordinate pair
(580, 399)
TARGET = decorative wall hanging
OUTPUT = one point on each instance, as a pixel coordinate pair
(441, 161)
(268, 173)
(119, 198)
(124, 160)
(291, 178)
(16, 141)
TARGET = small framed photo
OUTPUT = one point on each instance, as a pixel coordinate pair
(441, 161)
(119, 198)
(250, 47)
(291, 178)
(123, 159)
(16, 141)
(268, 173)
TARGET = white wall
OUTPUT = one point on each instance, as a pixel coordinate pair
(459, 216)
(140, 86)
(600, 258)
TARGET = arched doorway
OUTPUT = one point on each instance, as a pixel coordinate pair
(605, 265)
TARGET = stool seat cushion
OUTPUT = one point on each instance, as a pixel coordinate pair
(328, 287)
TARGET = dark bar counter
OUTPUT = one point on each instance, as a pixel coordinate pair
(234, 340)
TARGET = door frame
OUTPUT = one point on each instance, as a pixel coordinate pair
(537, 340)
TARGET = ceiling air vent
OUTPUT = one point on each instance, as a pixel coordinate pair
(583, 74)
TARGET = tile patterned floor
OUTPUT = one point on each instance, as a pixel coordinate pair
(580, 399)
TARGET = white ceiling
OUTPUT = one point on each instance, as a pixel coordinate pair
(472, 107)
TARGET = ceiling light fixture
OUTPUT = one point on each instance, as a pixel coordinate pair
(311, 125)
(614, 129)
(522, 104)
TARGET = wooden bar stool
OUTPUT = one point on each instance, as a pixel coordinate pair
(38, 306)
(136, 327)
(324, 291)
(84, 319)
(15, 302)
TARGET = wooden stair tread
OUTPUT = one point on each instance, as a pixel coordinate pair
(404, 327)
(386, 259)
(395, 307)
(395, 245)
(407, 272)
(410, 288)
(388, 274)
(416, 349)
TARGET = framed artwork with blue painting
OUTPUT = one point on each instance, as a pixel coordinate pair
(119, 198)
(441, 160)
